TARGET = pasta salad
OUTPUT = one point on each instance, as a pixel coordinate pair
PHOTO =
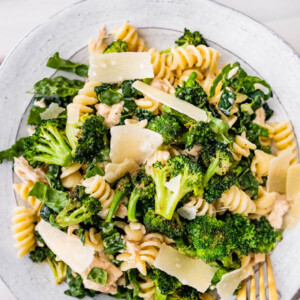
(157, 175)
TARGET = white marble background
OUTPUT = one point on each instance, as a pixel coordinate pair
(18, 17)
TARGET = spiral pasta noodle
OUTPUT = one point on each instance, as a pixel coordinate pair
(193, 56)
(236, 201)
(148, 104)
(264, 203)
(93, 238)
(242, 147)
(128, 34)
(161, 156)
(24, 219)
(70, 176)
(202, 207)
(23, 190)
(98, 188)
(135, 122)
(186, 74)
(87, 95)
(160, 70)
(147, 289)
(284, 138)
(260, 164)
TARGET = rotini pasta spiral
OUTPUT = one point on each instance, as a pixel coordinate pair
(87, 95)
(186, 74)
(70, 176)
(260, 164)
(24, 219)
(264, 202)
(236, 201)
(284, 138)
(160, 70)
(23, 190)
(161, 156)
(93, 238)
(202, 207)
(147, 289)
(128, 34)
(98, 188)
(193, 56)
(242, 147)
(135, 122)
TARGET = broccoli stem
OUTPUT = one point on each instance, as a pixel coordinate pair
(114, 205)
(211, 171)
(132, 206)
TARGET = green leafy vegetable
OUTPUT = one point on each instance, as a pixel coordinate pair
(14, 151)
(143, 114)
(107, 94)
(93, 170)
(34, 117)
(226, 102)
(112, 240)
(53, 177)
(49, 196)
(98, 275)
(116, 46)
(269, 112)
(128, 110)
(128, 91)
(59, 86)
(59, 63)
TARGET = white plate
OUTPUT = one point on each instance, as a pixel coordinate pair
(160, 21)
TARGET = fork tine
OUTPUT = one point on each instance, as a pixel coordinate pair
(262, 294)
(242, 293)
(271, 281)
(252, 288)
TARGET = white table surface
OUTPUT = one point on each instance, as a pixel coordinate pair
(18, 17)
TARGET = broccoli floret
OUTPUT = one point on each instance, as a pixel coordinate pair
(108, 93)
(217, 185)
(123, 188)
(93, 144)
(185, 292)
(265, 236)
(156, 223)
(183, 119)
(198, 134)
(48, 145)
(191, 38)
(227, 239)
(59, 270)
(192, 92)
(116, 46)
(188, 176)
(143, 114)
(166, 284)
(39, 254)
(167, 126)
(217, 159)
(143, 190)
(79, 208)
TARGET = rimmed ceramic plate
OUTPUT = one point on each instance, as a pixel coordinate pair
(160, 22)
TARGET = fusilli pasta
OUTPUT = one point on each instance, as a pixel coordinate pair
(242, 147)
(98, 188)
(147, 289)
(202, 207)
(23, 190)
(186, 74)
(260, 164)
(264, 203)
(70, 176)
(128, 34)
(236, 201)
(24, 219)
(87, 95)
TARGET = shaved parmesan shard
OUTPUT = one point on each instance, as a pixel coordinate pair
(114, 67)
(171, 101)
(174, 184)
(292, 217)
(231, 280)
(189, 271)
(114, 171)
(133, 143)
(68, 248)
(293, 182)
(278, 171)
(52, 112)
(188, 213)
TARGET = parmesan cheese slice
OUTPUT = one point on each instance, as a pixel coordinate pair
(133, 143)
(231, 280)
(114, 67)
(293, 182)
(52, 112)
(173, 184)
(189, 271)
(171, 101)
(278, 172)
(68, 248)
